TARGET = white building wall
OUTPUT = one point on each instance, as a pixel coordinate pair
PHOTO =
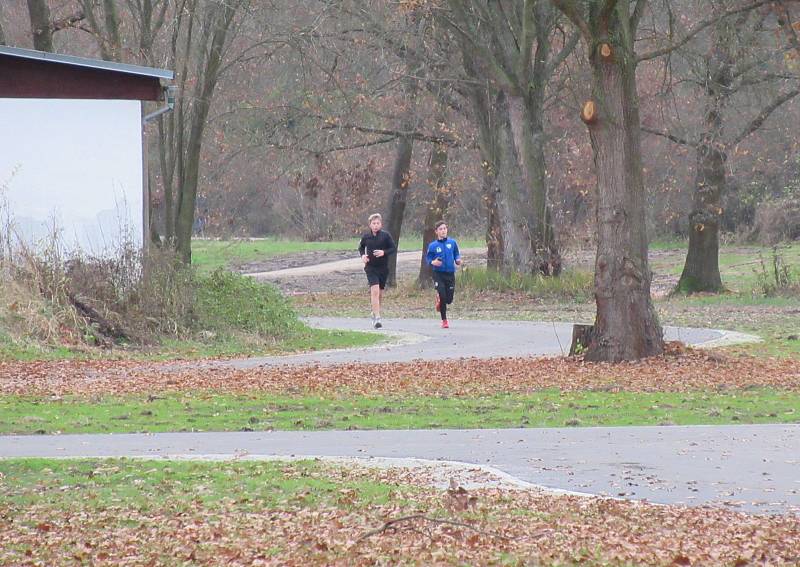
(75, 165)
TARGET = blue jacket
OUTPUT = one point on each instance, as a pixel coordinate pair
(447, 251)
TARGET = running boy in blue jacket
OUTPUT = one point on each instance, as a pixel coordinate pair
(444, 257)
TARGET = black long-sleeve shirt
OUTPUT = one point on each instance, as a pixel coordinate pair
(381, 241)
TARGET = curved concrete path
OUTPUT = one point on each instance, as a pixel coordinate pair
(423, 339)
(748, 467)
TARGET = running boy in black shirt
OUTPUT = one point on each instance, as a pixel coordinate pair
(375, 247)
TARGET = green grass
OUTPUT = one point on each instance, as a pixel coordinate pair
(12, 350)
(233, 315)
(227, 302)
(669, 244)
(573, 284)
(304, 340)
(258, 412)
(180, 486)
(208, 255)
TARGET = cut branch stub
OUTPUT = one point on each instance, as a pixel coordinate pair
(606, 51)
(589, 112)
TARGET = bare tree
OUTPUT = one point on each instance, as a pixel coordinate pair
(626, 326)
(401, 175)
(737, 60)
(437, 197)
(198, 47)
(511, 43)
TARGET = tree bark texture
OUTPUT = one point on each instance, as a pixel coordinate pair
(701, 268)
(438, 201)
(396, 208)
(401, 175)
(42, 33)
(527, 133)
(218, 21)
(510, 52)
(626, 325)
(485, 101)
(494, 231)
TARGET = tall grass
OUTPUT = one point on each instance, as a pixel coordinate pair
(573, 284)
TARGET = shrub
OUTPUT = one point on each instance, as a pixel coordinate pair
(227, 302)
(775, 277)
(777, 221)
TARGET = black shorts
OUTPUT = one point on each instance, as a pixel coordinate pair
(445, 285)
(377, 276)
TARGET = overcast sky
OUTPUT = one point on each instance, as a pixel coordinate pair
(78, 161)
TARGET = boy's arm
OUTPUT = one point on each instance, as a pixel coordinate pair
(429, 256)
(456, 253)
(362, 247)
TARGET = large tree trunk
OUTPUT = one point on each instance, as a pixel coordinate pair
(514, 200)
(494, 232)
(626, 326)
(525, 121)
(701, 269)
(216, 26)
(438, 201)
(401, 176)
(39, 12)
(485, 102)
(401, 179)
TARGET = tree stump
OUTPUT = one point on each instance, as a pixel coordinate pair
(582, 338)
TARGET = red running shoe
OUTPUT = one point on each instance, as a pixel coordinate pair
(438, 303)
(445, 324)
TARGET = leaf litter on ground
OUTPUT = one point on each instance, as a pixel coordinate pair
(680, 370)
(418, 525)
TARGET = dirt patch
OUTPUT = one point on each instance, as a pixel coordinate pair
(344, 276)
(294, 274)
(296, 260)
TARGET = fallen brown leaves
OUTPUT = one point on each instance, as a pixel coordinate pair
(522, 526)
(683, 371)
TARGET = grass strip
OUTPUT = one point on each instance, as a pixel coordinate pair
(257, 412)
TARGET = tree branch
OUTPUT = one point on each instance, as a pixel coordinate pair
(561, 56)
(571, 10)
(669, 136)
(785, 21)
(605, 12)
(395, 133)
(636, 17)
(697, 29)
(470, 34)
(759, 120)
(68, 22)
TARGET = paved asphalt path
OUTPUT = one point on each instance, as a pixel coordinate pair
(748, 467)
(754, 468)
(424, 339)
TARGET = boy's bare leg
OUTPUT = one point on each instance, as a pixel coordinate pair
(375, 300)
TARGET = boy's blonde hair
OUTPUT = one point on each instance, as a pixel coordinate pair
(374, 216)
